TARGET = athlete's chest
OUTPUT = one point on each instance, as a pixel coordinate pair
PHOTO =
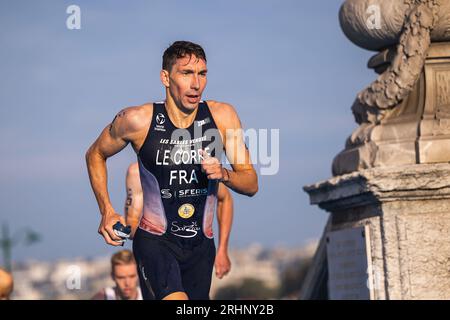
(168, 145)
(174, 155)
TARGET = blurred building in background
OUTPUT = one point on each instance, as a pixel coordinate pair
(256, 272)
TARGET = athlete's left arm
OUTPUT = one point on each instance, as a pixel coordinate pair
(242, 178)
(225, 220)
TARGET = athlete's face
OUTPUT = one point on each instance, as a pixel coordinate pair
(126, 279)
(186, 81)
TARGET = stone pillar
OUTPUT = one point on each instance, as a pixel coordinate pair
(403, 196)
(417, 130)
(407, 210)
(388, 235)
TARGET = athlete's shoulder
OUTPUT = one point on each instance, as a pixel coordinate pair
(223, 112)
(136, 116)
(132, 119)
(220, 107)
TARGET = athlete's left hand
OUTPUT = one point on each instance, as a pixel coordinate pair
(222, 264)
(211, 166)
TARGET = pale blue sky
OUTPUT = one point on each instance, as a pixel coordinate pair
(282, 64)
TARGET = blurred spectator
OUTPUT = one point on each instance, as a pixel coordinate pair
(124, 274)
(6, 285)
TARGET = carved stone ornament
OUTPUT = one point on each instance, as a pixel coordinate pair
(406, 32)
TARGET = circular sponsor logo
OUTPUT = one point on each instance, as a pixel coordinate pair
(186, 210)
(160, 118)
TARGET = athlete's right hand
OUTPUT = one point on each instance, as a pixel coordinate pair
(106, 228)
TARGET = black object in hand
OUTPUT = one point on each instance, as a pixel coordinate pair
(121, 231)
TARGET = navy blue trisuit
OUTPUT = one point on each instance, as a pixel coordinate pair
(174, 244)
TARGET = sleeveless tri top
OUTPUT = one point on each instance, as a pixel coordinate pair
(179, 199)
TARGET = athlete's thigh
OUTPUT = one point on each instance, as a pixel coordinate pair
(197, 273)
(159, 271)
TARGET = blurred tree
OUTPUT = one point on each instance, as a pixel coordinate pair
(292, 278)
(249, 289)
(7, 242)
(230, 292)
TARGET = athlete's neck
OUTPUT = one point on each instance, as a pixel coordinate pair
(180, 116)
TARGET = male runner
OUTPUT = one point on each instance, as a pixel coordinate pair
(134, 205)
(178, 143)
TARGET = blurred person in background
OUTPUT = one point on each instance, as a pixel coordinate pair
(124, 274)
(6, 284)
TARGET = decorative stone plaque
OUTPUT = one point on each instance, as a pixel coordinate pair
(348, 255)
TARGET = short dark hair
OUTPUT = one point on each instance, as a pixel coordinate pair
(180, 49)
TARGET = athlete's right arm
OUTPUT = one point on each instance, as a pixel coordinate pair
(126, 127)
